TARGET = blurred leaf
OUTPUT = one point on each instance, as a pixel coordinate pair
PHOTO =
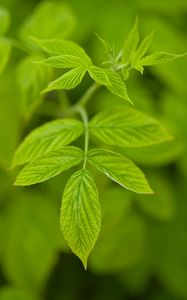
(161, 204)
(168, 243)
(121, 241)
(156, 155)
(81, 214)
(32, 240)
(46, 138)
(136, 278)
(4, 20)
(125, 127)
(31, 79)
(49, 165)
(165, 7)
(49, 20)
(12, 293)
(170, 37)
(67, 81)
(9, 119)
(111, 80)
(119, 169)
(5, 49)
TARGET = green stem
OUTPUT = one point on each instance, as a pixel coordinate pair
(84, 116)
(88, 94)
(79, 108)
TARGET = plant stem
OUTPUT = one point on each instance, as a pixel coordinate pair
(79, 109)
(88, 94)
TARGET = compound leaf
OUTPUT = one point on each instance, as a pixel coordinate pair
(126, 127)
(49, 165)
(81, 214)
(119, 169)
(67, 81)
(111, 80)
(46, 138)
(131, 44)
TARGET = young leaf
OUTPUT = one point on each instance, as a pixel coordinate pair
(111, 80)
(46, 138)
(159, 58)
(64, 61)
(117, 85)
(126, 127)
(5, 49)
(67, 81)
(143, 48)
(4, 20)
(63, 47)
(131, 44)
(119, 169)
(49, 165)
(106, 45)
(81, 214)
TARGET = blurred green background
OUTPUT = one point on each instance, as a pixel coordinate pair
(142, 248)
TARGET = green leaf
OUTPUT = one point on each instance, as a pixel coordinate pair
(64, 61)
(49, 165)
(46, 138)
(159, 58)
(5, 49)
(49, 20)
(67, 81)
(62, 47)
(81, 214)
(111, 80)
(120, 169)
(126, 127)
(131, 44)
(4, 20)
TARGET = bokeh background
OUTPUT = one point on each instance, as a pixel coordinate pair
(142, 248)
